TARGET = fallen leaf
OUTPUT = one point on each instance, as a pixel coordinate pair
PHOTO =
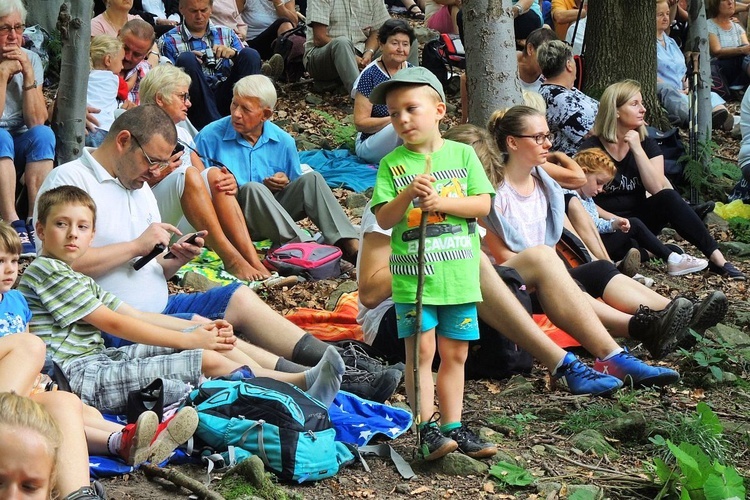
(421, 489)
(492, 388)
(489, 487)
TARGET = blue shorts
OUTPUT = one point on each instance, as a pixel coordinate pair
(36, 144)
(211, 304)
(458, 322)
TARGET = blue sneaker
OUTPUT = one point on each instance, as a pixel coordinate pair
(580, 379)
(27, 246)
(635, 372)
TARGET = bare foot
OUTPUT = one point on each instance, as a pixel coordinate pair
(246, 272)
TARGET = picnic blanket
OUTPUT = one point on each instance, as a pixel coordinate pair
(557, 335)
(341, 169)
(331, 326)
(209, 264)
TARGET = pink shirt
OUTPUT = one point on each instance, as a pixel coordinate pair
(100, 25)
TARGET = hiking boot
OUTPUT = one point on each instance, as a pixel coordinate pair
(631, 263)
(172, 433)
(356, 357)
(706, 313)
(686, 265)
(727, 271)
(703, 209)
(635, 372)
(376, 387)
(93, 492)
(27, 246)
(661, 331)
(470, 444)
(580, 379)
(137, 437)
(433, 443)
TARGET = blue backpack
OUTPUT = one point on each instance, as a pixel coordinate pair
(289, 430)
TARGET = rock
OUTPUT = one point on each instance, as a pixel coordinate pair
(453, 464)
(517, 386)
(252, 470)
(303, 145)
(629, 427)
(586, 491)
(548, 489)
(504, 456)
(197, 282)
(402, 489)
(731, 336)
(709, 380)
(550, 413)
(714, 219)
(670, 233)
(591, 440)
(348, 119)
(313, 99)
(345, 287)
(425, 34)
(450, 108)
(356, 200)
(357, 212)
(297, 128)
(491, 435)
(735, 248)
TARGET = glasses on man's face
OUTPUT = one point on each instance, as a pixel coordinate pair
(160, 164)
(5, 29)
(540, 138)
(185, 97)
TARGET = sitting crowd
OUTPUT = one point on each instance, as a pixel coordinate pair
(181, 143)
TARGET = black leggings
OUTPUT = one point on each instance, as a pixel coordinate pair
(668, 207)
(639, 236)
(594, 276)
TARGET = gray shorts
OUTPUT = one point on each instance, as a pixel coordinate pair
(105, 379)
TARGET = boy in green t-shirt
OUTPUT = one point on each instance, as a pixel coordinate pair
(455, 193)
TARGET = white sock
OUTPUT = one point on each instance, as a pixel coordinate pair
(114, 442)
(613, 353)
(674, 258)
(559, 364)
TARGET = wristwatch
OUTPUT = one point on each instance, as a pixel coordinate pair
(30, 87)
(519, 9)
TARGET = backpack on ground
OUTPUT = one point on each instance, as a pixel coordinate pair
(672, 148)
(441, 56)
(309, 260)
(291, 46)
(289, 430)
(571, 250)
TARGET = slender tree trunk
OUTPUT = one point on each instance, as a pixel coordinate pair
(69, 122)
(491, 65)
(697, 41)
(620, 44)
(43, 13)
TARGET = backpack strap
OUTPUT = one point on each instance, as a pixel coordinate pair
(385, 450)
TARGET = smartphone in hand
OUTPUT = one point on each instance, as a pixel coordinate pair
(191, 240)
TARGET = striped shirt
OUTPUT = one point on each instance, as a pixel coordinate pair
(59, 298)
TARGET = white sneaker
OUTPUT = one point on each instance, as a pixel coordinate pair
(686, 265)
(644, 280)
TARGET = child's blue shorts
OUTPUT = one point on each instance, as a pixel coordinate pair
(458, 322)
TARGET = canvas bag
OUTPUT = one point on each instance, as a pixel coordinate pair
(287, 429)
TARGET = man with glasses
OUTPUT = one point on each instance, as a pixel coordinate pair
(213, 56)
(128, 227)
(27, 147)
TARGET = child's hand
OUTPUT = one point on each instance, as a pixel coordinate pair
(622, 224)
(209, 337)
(421, 187)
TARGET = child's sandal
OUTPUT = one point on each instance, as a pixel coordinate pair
(418, 14)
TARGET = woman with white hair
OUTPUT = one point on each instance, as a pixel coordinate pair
(192, 196)
(27, 147)
(640, 188)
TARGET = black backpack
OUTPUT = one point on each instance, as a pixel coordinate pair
(441, 56)
(671, 146)
(291, 45)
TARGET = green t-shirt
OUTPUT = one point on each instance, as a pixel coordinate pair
(452, 243)
(59, 298)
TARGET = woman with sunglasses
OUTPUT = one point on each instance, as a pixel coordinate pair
(640, 188)
(528, 214)
(191, 196)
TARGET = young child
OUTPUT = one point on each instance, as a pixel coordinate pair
(455, 193)
(29, 447)
(619, 234)
(106, 86)
(70, 311)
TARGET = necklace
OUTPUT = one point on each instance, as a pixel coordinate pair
(385, 68)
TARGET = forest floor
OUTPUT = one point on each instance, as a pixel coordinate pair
(537, 427)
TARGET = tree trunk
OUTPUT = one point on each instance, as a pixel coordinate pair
(697, 41)
(491, 65)
(43, 13)
(69, 122)
(620, 44)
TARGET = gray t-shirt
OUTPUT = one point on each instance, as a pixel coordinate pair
(12, 119)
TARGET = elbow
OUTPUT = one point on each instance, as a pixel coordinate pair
(369, 299)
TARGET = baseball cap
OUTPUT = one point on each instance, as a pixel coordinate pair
(416, 75)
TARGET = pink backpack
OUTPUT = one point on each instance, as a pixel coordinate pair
(309, 260)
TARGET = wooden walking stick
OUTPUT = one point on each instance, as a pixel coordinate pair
(418, 319)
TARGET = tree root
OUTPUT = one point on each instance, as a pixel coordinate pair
(182, 480)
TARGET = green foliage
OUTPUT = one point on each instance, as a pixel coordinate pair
(233, 487)
(54, 49)
(712, 179)
(694, 476)
(341, 132)
(702, 429)
(515, 423)
(594, 416)
(510, 474)
(583, 495)
(712, 356)
(740, 228)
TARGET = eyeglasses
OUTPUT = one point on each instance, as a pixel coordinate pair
(161, 164)
(185, 97)
(540, 138)
(6, 28)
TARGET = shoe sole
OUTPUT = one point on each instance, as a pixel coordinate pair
(631, 264)
(178, 430)
(145, 428)
(657, 381)
(442, 451)
(277, 66)
(485, 453)
(689, 270)
(678, 329)
(712, 310)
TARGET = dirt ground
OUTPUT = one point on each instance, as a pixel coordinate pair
(533, 428)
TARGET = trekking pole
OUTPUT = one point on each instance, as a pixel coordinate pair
(693, 123)
(418, 319)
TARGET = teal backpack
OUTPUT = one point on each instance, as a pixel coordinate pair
(289, 430)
